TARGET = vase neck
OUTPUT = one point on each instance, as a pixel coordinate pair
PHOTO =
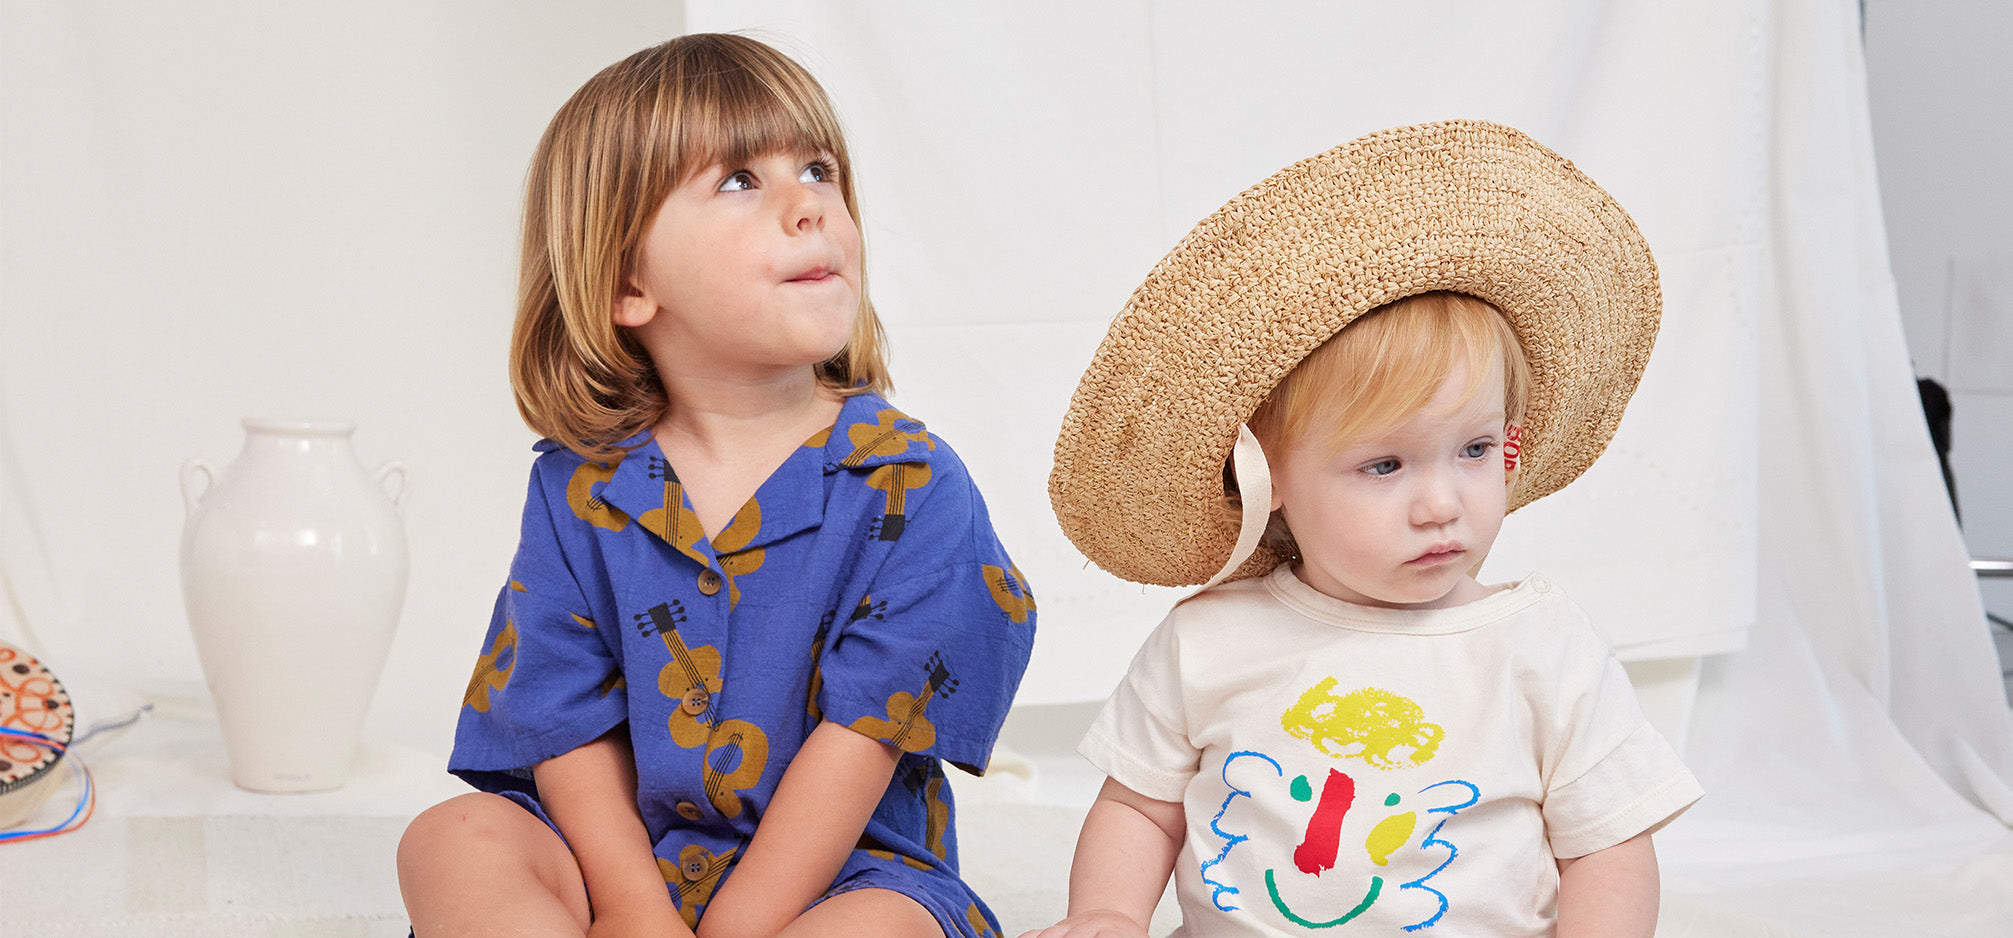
(297, 436)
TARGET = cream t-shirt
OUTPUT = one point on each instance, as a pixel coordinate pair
(1350, 770)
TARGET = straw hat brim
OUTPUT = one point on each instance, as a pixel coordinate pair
(1461, 205)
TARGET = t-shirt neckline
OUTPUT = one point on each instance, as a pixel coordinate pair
(1503, 600)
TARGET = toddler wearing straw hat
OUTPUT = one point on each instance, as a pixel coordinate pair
(1320, 405)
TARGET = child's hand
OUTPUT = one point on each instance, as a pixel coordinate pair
(1096, 923)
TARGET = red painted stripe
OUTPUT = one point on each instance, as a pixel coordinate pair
(1324, 829)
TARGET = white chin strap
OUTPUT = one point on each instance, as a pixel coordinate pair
(1254, 487)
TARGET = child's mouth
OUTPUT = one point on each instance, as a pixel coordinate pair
(1438, 555)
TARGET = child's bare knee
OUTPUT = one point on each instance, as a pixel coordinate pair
(465, 822)
(866, 911)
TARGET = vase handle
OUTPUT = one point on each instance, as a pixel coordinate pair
(192, 493)
(393, 469)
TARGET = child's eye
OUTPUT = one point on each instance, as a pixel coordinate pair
(819, 171)
(738, 181)
(1477, 449)
(1382, 467)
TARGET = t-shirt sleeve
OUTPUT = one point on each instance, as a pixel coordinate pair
(1616, 776)
(1141, 738)
(930, 658)
(545, 681)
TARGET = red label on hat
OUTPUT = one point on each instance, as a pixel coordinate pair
(1513, 446)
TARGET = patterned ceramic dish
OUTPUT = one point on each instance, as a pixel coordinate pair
(31, 700)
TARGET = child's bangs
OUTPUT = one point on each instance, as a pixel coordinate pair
(1386, 375)
(740, 106)
(1388, 364)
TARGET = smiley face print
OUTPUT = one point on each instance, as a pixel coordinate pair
(1369, 837)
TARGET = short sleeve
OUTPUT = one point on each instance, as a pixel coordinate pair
(1141, 737)
(930, 658)
(1617, 776)
(545, 681)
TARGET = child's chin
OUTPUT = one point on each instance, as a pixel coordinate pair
(1436, 594)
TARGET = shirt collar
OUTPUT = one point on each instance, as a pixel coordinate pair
(867, 433)
(871, 433)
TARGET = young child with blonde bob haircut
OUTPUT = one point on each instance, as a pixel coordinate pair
(1387, 367)
(753, 608)
(1374, 355)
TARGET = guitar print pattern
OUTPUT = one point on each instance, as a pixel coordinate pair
(693, 878)
(905, 725)
(1009, 590)
(691, 674)
(862, 585)
(492, 669)
(736, 754)
(867, 609)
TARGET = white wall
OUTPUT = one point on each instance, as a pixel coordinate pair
(1941, 91)
(220, 209)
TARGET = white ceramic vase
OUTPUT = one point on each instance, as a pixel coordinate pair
(293, 573)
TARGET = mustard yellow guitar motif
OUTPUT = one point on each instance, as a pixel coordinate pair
(817, 683)
(886, 854)
(897, 479)
(674, 521)
(588, 506)
(694, 878)
(1009, 591)
(977, 920)
(928, 784)
(736, 557)
(691, 677)
(940, 817)
(907, 727)
(491, 671)
(867, 609)
(736, 754)
(883, 438)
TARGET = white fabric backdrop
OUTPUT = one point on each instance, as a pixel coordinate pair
(1857, 754)
(1867, 714)
(1019, 177)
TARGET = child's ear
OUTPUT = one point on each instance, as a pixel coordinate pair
(632, 308)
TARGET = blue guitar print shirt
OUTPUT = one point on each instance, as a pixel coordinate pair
(862, 585)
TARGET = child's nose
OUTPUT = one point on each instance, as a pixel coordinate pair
(805, 211)
(1438, 500)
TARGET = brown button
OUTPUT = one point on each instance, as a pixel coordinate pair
(694, 870)
(689, 811)
(709, 582)
(696, 701)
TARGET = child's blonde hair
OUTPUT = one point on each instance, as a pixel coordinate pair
(610, 157)
(1385, 366)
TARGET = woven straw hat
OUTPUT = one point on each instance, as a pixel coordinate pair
(1460, 205)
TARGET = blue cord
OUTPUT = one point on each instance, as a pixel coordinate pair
(84, 797)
